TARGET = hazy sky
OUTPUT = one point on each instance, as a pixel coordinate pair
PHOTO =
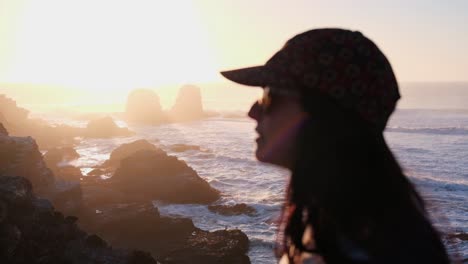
(126, 44)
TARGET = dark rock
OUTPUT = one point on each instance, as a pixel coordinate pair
(237, 209)
(20, 156)
(222, 246)
(96, 173)
(3, 130)
(143, 107)
(99, 194)
(128, 149)
(105, 128)
(171, 240)
(461, 236)
(34, 233)
(57, 160)
(67, 172)
(67, 197)
(155, 175)
(55, 156)
(95, 242)
(188, 105)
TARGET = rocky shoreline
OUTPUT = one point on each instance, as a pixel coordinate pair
(51, 213)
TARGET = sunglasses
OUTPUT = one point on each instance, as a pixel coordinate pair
(271, 96)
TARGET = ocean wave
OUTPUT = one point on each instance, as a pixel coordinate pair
(430, 130)
(440, 184)
(257, 242)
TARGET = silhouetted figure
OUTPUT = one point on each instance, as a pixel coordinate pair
(328, 94)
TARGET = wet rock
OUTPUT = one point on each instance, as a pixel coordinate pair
(105, 128)
(158, 176)
(55, 156)
(33, 232)
(170, 240)
(96, 173)
(128, 149)
(229, 210)
(222, 246)
(188, 105)
(143, 107)
(461, 236)
(57, 160)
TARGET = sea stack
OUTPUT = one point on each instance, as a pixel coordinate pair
(188, 105)
(143, 107)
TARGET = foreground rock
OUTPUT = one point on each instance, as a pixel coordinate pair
(143, 107)
(119, 210)
(170, 240)
(158, 176)
(33, 232)
(105, 128)
(20, 156)
(188, 105)
(3, 130)
(230, 210)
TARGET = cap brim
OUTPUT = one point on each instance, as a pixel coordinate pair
(252, 76)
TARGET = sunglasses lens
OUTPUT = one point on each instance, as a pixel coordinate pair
(265, 102)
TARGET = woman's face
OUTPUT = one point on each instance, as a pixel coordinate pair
(278, 121)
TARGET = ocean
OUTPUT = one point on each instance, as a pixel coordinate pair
(431, 145)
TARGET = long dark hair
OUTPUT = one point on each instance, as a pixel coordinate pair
(347, 185)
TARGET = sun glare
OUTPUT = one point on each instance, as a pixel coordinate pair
(100, 45)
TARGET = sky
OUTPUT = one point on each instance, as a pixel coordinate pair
(119, 45)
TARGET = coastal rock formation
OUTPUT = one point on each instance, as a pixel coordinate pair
(20, 156)
(170, 240)
(31, 231)
(105, 128)
(57, 160)
(236, 209)
(156, 175)
(143, 107)
(55, 156)
(188, 105)
(3, 130)
(10, 111)
(126, 150)
(15, 120)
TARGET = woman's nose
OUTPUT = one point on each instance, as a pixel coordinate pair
(255, 111)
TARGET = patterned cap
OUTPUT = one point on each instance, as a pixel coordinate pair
(342, 64)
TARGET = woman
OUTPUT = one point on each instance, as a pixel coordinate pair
(328, 94)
